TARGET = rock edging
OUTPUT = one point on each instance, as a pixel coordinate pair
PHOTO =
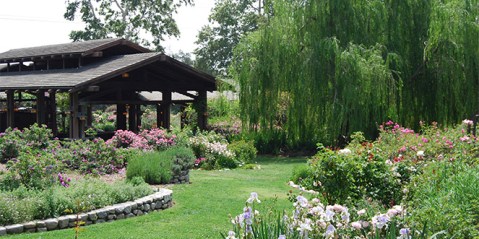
(157, 201)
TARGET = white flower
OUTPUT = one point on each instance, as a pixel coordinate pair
(380, 221)
(345, 151)
(253, 197)
(420, 153)
(361, 212)
(231, 235)
(330, 231)
(302, 201)
(282, 237)
(356, 225)
(468, 122)
(405, 233)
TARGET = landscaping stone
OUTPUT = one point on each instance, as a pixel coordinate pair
(63, 222)
(30, 225)
(51, 224)
(92, 216)
(158, 201)
(13, 229)
(41, 224)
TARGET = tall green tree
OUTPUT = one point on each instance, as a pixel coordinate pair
(228, 22)
(146, 22)
(318, 69)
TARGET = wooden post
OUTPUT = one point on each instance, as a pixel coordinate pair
(120, 117)
(10, 109)
(89, 116)
(201, 110)
(82, 121)
(159, 116)
(52, 121)
(132, 120)
(41, 108)
(74, 122)
(164, 110)
(182, 116)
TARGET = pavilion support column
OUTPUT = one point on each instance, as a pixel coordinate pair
(89, 116)
(41, 108)
(201, 110)
(182, 116)
(138, 117)
(132, 118)
(74, 121)
(163, 111)
(10, 109)
(120, 116)
(52, 109)
(82, 121)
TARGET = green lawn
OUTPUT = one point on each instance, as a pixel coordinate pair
(201, 208)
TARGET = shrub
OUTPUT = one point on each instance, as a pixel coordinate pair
(446, 196)
(340, 176)
(244, 150)
(91, 156)
(146, 140)
(151, 166)
(159, 167)
(33, 169)
(214, 148)
(13, 141)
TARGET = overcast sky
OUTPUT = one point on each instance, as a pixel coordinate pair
(27, 23)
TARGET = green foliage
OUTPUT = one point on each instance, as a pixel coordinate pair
(22, 204)
(13, 141)
(319, 69)
(229, 21)
(151, 166)
(446, 197)
(33, 169)
(159, 167)
(340, 176)
(244, 150)
(92, 156)
(125, 18)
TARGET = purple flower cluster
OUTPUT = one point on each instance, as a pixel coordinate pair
(63, 181)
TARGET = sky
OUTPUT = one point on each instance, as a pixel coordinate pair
(28, 23)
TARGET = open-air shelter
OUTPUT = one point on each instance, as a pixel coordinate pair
(106, 71)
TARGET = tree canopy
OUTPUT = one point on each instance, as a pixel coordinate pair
(146, 22)
(229, 21)
(319, 69)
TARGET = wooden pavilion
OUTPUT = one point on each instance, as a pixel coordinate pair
(106, 71)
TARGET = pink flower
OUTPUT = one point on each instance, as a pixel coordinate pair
(425, 140)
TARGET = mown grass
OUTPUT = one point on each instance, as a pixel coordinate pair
(201, 208)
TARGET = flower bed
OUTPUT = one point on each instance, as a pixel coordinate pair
(158, 201)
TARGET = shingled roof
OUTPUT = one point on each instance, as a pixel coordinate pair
(81, 48)
(91, 74)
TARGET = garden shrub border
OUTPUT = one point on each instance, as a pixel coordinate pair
(158, 201)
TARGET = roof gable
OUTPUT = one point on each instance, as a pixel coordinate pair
(75, 48)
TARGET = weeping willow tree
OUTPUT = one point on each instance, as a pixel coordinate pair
(319, 69)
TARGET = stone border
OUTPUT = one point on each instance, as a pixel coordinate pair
(157, 201)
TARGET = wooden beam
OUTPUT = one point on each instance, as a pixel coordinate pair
(52, 109)
(41, 108)
(10, 109)
(188, 94)
(120, 116)
(132, 118)
(74, 122)
(202, 110)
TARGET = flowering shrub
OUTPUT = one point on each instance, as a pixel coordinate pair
(146, 140)
(312, 219)
(214, 148)
(91, 156)
(13, 141)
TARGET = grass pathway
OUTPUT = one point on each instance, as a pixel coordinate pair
(201, 208)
